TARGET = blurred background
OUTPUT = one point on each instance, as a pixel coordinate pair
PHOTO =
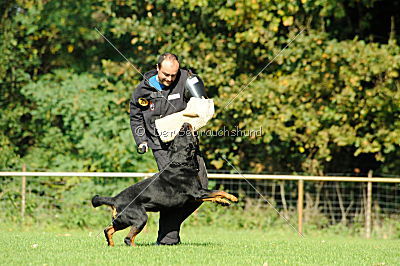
(329, 104)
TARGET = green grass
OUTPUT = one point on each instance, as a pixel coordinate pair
(200, 246)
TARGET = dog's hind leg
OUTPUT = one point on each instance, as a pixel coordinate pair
(108, 232)
(130, 238)
(137, 226)
(118, 223)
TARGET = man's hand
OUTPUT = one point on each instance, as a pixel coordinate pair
(143, 148)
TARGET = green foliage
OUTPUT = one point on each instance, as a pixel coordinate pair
(9, 158)
(66, 89)
(325, 96)
(81, 125)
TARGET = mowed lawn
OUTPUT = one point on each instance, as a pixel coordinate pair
(200, 246)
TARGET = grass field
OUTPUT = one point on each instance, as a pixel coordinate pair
(200, 246)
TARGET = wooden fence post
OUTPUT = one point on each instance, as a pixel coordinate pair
(23, 193)
(368, 207)
(300, 206)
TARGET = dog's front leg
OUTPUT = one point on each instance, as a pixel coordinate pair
(217, 196)
(217, 200)
(223, 194)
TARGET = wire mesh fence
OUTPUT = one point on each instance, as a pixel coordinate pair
(331, 202)
(333, 197)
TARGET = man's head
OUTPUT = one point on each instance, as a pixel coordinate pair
(168, 68)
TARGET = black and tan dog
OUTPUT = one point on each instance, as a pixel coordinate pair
(173, 187)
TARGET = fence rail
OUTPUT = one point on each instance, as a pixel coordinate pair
(339, 198)
(213, 176)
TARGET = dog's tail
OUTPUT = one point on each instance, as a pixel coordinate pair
(98, 201)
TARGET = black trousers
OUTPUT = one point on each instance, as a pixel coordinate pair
(171, 220)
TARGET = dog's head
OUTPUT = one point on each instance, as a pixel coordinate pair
(184, 146)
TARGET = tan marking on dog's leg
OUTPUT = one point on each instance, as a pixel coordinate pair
(114, 212)
(108, 232)
(218, 200)
(132, 234)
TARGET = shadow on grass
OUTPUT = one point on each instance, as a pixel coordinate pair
(184, 244)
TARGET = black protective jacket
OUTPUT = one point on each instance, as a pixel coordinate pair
(148, 104)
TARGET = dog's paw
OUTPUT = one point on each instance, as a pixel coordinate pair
(232, 198)
(222, 202)
(218, 200)
(127, 241)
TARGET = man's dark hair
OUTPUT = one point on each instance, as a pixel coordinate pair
(166, 56)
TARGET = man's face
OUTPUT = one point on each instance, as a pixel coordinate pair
(167, 72)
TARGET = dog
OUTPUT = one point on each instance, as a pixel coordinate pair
(172, 187)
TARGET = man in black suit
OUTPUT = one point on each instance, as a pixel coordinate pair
(161, 93)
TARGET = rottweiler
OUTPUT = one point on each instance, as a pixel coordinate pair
(172, 187)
